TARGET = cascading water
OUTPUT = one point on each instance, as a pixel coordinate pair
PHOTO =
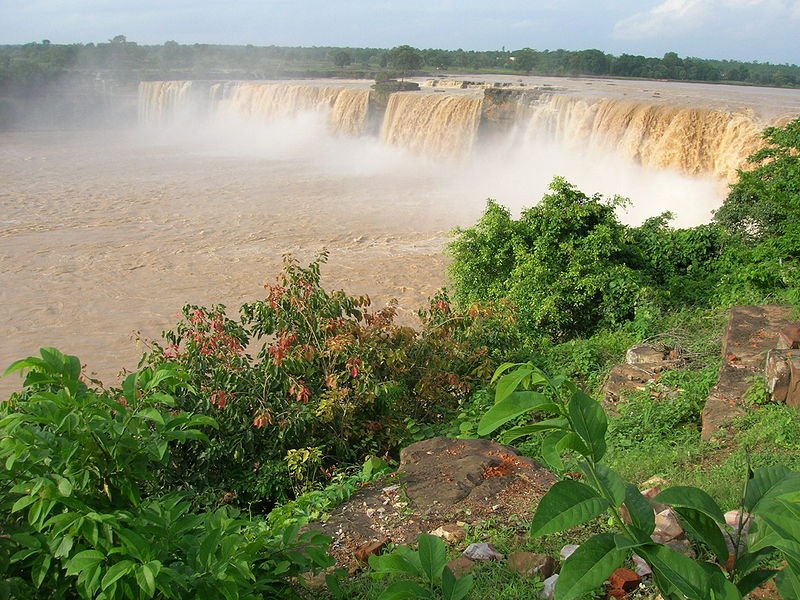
(695, 141)
(160, 100)
(433, 124)
(346, 107)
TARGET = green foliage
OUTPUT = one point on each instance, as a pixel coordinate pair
(566, 264)
(578, 426)
(342, 58)
(82, 516)
(330, 383)
(405, 59)
(765, 201)
(425, 572)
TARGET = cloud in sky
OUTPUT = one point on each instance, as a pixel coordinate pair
(677, 18)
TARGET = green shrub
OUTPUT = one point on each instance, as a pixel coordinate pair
(567, 264)
(81, 510)
(329, 383)
(766, 197)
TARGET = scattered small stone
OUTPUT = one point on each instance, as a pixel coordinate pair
(732, 518)
(461, 566)
(641, 567)
(654, 482)
(549, 591)
(364, 551)
(623, 581)
(644, 353)
(667, 527)
(568, 551)
(390, 489)
(482, 551)
(452, 534)
(683, 546)
(530, 564)
(789, 337)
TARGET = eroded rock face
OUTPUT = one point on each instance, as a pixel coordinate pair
(643, 364)
(783, 376)
(644, 354)
(441, 481)
(751, 332)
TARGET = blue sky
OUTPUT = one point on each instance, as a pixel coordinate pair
(764, 30)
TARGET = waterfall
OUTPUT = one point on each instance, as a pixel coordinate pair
(445, 123)
(160, 100)
(346, 107)
(696, 141)
(433, 124)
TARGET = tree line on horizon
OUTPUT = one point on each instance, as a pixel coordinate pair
(27, 67)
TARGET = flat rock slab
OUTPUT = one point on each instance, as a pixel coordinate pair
(440, 481)
(752, 331)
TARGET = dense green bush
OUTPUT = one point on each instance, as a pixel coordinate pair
(567, 264)
(307, 380)
(81, 511)
(765, 201)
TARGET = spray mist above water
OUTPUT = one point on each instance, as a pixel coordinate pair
(662, 158)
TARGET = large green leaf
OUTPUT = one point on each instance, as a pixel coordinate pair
(788, 584)
(40, 568)
(558, 442)
(784, 517)
(145, 577)
(507, 437)
(84, 560)
(589, 422)
(763, 484)
(402, 560)
(453, 588)
(511, 407)
(117, 571)
(403, 590)
(567, 504)
(611, 483)
(755, 579)
(641, 512)
(705, 529)
(694, 498)
(677, 571)
(432, 556)
(589, 566)
(509, 382)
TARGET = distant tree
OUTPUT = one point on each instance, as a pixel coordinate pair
(405, 59)
(342, 58)
(119, 39)
(523, 60)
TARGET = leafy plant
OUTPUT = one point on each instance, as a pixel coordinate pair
(82, 513)
(576, 424)
(765, 200)
(425, 570)
(566, 264)
(329, 382)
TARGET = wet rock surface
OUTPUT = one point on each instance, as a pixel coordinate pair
(441, 483)
(752, 331)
